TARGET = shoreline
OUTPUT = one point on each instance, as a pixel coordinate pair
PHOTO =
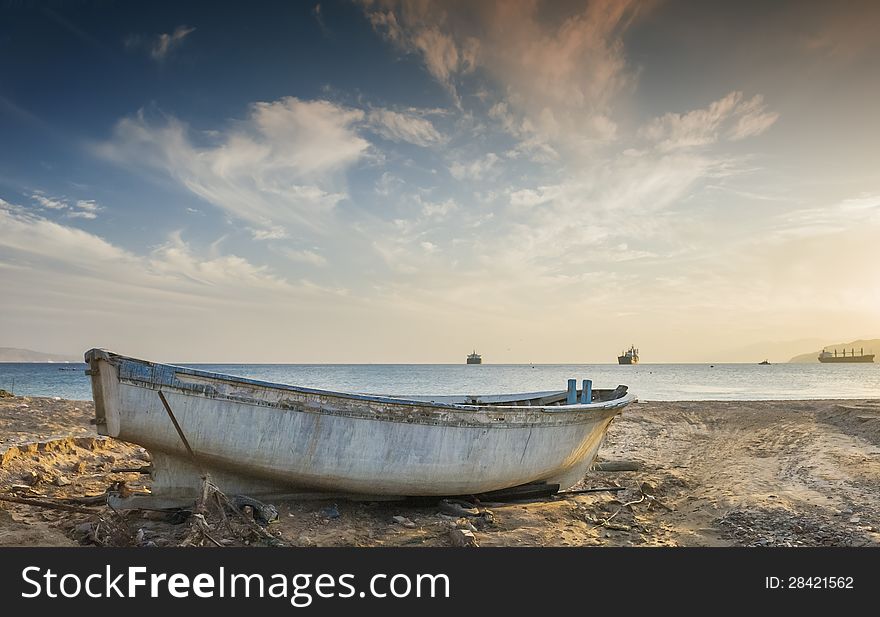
(709, 473)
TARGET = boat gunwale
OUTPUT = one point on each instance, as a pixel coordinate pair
(578, 408)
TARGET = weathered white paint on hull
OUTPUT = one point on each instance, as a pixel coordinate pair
(263, 438)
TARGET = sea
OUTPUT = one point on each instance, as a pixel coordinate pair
(649, 382)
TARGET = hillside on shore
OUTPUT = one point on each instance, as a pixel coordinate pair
(869, 345)
(13, 354)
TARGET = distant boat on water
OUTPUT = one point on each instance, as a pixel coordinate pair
(474, 358)
(764, 362)
(827, 357)
(631, 356)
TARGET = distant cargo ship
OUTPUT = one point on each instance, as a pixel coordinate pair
(474, 358)
(629, 357)
(827, 356)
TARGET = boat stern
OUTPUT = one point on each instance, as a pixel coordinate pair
(105, 385)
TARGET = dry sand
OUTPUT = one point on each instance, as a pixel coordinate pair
(770, 473)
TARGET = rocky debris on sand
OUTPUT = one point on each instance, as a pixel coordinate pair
(780, 527)
(402, 520)
(330, 512)
(33, 478)
(486, 520)
(462, 538)
(457, 507)
(263, 513)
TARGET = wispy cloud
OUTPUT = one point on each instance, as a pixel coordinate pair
(418, 31)
(48, 202)
(404, 126)
(304, 256)
(843, 35)
(161, 46)
(556, 79)
(474, 170)
(80, 208)
(730, 116)
(271, 233)
(281, 166)
(173, 266)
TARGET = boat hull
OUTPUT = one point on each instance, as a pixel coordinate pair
(266, 438)
(847, 359)
(627, 360)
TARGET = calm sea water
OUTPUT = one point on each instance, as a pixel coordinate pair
(650, 382)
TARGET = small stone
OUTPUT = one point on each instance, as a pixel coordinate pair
(83, 528)
(31, 478)
(462, 538)
(402, 520)
(855, 519)
(330, 512)
(463, 523)
(60, 481)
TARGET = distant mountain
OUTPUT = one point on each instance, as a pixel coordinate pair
(774, 351)
(869, 345)
(11, 354)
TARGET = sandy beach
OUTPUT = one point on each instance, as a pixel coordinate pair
(769, 473)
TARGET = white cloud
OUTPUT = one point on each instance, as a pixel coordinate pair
(81, 208)
(558, 76)
(701, 127)
(270, 233)
(87, 205)
(444, 57)
(51, 250)
(401, 126)
(753, 119)
(81, 214)
(438, 209)
(534, 197)
(387, 184)
(474, 170)
(166, 43)
(281, 166)
(304, 256)
(48, 202)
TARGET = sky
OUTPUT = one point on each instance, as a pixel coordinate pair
(387, 181)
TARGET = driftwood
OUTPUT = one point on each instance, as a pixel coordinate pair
(87, 500)
(143, 469)
(597, 489)
(39, 503)
(617, 466)
(517, 493)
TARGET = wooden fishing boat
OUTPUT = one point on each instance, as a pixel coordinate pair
(259, 438)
